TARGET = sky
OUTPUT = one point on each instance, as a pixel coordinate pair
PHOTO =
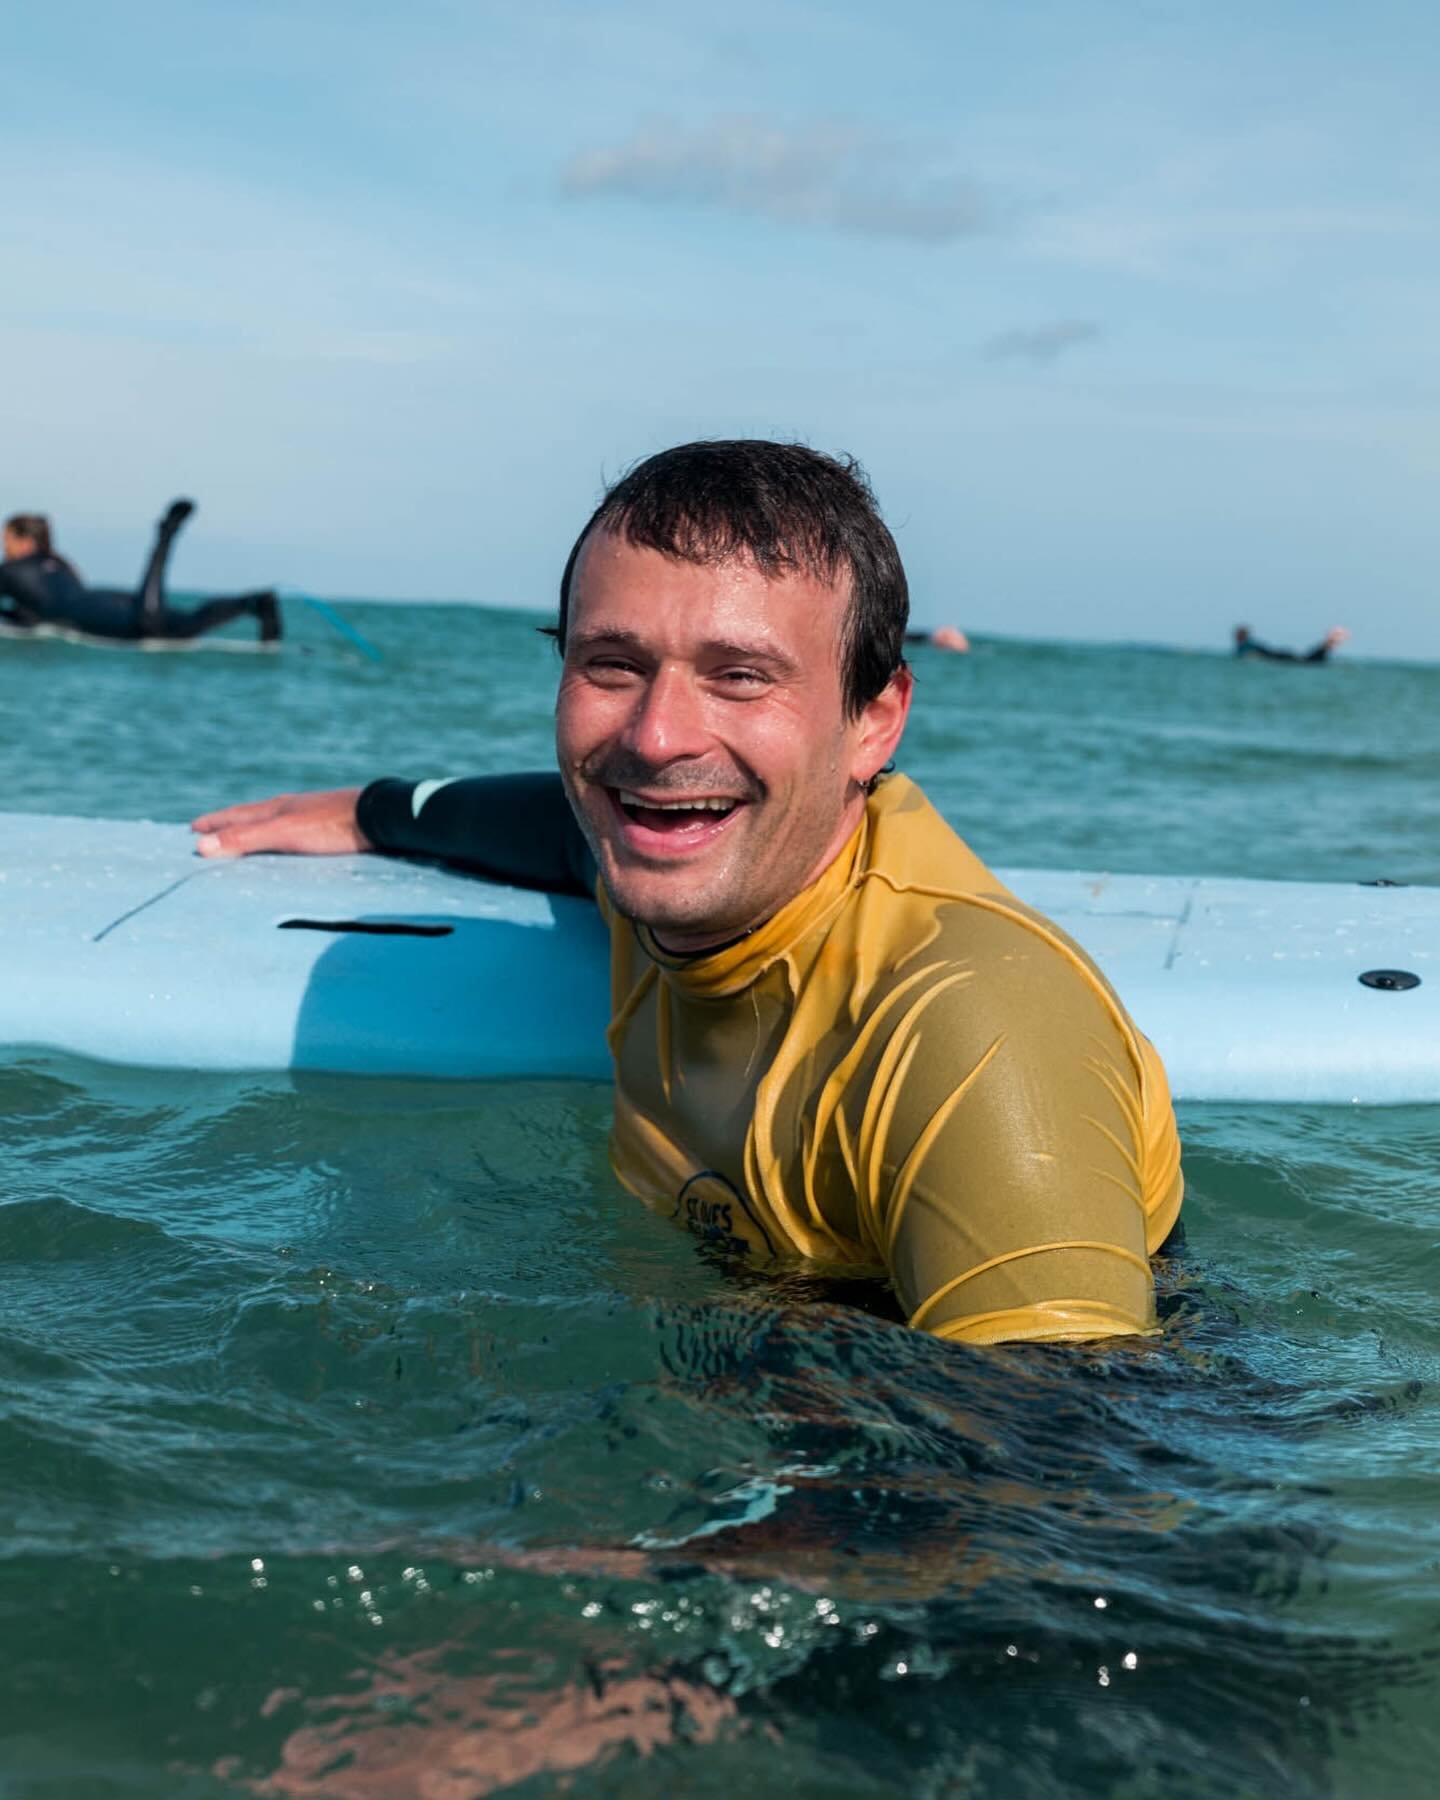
(1129, 307)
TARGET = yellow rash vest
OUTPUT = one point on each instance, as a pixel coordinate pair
(906, 1068)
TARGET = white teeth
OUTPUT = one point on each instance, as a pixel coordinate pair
(716, 805)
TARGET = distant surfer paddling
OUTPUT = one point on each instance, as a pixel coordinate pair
(1249, 646)
(40, 588)
(836, 1034)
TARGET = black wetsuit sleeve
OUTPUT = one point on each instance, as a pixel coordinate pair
(515, 828)
(43, 590)
(1264, 652)
(17, 598)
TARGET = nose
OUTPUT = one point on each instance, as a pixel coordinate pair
(668, 720)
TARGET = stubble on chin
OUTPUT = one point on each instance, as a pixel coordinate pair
(673, 900)
(657, 904)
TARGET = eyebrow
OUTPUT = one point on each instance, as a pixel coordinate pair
(720, 649)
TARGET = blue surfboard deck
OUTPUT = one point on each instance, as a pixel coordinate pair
(118, 943)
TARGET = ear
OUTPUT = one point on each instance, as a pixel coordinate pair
(880, 727)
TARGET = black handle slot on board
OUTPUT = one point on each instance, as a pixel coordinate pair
(367, 927)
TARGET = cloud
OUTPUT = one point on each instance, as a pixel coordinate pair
(836, 176)
(1041, 343)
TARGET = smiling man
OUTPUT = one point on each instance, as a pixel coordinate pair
(836, 1034)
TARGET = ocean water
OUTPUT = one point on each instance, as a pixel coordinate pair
(364, 1439)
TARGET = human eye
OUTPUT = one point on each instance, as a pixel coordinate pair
(740, 679)
(611, 666)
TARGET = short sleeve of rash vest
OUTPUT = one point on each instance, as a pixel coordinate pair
(1017, 1198)
(514, 828)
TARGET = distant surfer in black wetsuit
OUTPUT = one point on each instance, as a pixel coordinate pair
(39, 587)
(1245, 645)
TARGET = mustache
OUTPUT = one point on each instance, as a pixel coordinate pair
(614, 768)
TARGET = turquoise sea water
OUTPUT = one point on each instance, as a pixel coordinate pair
(363, 1439)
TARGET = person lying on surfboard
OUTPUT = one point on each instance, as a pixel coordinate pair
(38, 587)
(1246, 645)
(836, 1035)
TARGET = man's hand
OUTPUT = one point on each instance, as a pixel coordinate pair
(316, 824)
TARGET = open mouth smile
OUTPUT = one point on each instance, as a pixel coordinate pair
(669, 824)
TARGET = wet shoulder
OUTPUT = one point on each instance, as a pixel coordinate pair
(959, 943)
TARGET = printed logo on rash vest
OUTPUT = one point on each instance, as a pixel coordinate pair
(715, 1209)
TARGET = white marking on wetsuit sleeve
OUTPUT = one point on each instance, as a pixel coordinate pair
(423, 792)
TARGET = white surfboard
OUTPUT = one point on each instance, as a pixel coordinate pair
(66, 634)
(118, 943)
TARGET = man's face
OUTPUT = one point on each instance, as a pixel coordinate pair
(703, 739)
(16, 544)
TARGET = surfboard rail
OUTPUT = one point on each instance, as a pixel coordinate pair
(119, 944)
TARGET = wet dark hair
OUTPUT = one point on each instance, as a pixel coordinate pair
(787, 508)
(32, 525)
